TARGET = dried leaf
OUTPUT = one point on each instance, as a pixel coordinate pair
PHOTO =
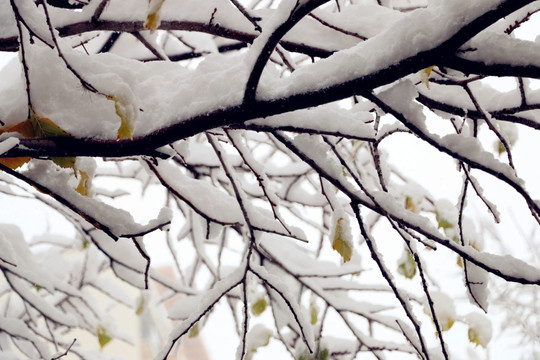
(15, 162)
(24, 128)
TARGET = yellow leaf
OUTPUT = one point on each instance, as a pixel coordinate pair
(409, 204)
(500, 147)
(45, 127)
(258, 336)
(194, 331)
(126, 121)
(323, 354)
(424, 75)
(153, 19)
(407, 265)
(84, 184)
(446, 323)
(473, 337)
(442, 223)
(140, 307)
(259, 306)
(340, 243)
(480, 330)
(444, 309)
(314, 314)
(15, 162)
(103, 337)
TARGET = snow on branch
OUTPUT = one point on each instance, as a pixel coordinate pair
(322, 172)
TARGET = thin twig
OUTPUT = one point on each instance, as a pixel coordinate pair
(338, 29)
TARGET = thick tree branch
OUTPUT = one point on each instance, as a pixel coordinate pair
(183, 128)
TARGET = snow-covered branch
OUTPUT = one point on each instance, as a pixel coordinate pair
(272, 160)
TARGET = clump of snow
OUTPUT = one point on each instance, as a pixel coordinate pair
(444, 309)
(447, 215)
(318, 152)
(15, 254)
(7, 19)
(202, 196)
(184, 307)
(414, 195)
(477, 279)
(8, 144)
(301, 262)
(34, 18)
(117, 221)
(471, 235)
(397, 210)
(509, 132)
(497, 48)
(401, 96)
(471, 149)
(480, 329)
(347, 123)
(13, 107)
(258, 336)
